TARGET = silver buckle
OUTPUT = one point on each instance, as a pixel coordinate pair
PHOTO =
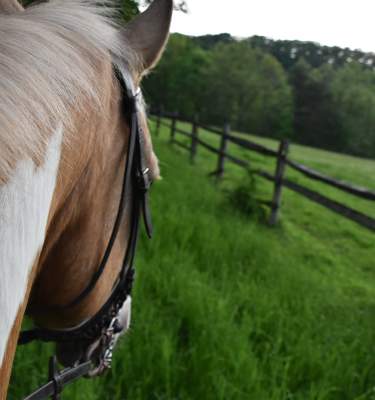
(101, 351)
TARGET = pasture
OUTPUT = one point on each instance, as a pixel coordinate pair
(227, 308)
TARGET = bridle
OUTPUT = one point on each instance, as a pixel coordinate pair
(99, 334)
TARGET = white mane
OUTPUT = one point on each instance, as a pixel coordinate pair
(48, 59)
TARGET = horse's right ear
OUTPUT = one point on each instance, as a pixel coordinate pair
(147, 34)
(10, 6)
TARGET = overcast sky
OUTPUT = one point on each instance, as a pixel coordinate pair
(345, 23)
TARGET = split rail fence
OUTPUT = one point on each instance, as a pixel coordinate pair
(278, 179)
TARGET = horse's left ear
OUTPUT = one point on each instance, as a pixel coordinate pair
(148, 33)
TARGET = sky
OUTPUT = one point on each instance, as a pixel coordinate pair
(344, 23)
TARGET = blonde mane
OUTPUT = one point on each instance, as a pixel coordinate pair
(48, 58)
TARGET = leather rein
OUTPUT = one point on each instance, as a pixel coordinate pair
(100, 333)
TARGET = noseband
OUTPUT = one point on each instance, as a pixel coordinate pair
(99, 334)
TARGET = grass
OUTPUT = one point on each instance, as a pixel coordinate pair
(228, 308)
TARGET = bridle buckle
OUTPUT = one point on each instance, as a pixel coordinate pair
(101, 351)
(143, 180)
(55, 377)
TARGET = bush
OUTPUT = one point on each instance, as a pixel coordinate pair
(243, 199)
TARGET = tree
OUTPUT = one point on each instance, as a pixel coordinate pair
(353, 91)
(129, 8)
(316, 121)
(177, 82)
(208, 42)
(289, 52)
(250, 89)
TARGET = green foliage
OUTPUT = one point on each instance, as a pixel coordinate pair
(250, 89)
(335, 109)
(207, 42)
(129, 8)
(353, 91)
(242, 198)
(288, 52)
(226, 308)
(177, 82)
(315, 114)
(231, 81)
(316, 95)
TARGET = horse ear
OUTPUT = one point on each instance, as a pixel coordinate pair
(10, 6)
(148, 33)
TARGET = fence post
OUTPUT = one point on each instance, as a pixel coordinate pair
(279, 176)
(194, 141)
(173, 126)
(223, 149)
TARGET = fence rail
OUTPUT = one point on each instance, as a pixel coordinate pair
(247, 144)
(346, 187)
(278, 179)
(182, 145)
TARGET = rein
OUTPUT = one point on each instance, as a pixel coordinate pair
(100, 333)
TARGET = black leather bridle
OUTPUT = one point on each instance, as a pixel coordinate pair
(99, 334)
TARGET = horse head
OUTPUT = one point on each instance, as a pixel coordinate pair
(73, 103)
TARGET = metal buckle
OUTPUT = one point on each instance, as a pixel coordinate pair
(144, 181)
(101, 351)
(54, 376)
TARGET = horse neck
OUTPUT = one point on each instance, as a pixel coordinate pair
(81, 228)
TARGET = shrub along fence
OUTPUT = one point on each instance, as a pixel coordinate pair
(278, 179)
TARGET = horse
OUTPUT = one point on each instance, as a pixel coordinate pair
(68, 75)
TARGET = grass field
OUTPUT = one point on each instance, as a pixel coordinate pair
(228, 308)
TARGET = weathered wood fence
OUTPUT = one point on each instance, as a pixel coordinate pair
(278, 179)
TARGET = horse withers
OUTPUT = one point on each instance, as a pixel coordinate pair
(69, 107)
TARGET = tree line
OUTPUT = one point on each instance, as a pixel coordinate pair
(315, 95)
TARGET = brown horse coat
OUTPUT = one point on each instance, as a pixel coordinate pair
(63, 142)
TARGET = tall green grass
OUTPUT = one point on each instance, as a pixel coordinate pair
(228, 308)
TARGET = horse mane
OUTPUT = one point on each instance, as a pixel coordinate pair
(49, 56)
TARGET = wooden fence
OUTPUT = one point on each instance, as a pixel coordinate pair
(278, 179)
